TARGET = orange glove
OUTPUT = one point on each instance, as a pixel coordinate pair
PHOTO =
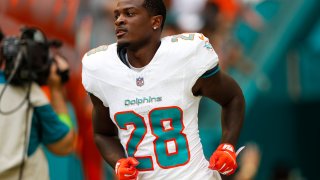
(126, 169)
(224, 160)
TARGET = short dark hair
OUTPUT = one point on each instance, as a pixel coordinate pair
(156, 7)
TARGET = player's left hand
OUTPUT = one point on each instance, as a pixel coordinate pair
(126, 169)
(224, 160)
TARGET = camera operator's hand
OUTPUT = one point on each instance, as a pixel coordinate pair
(54, 80)
(61, 62)
(59, 65)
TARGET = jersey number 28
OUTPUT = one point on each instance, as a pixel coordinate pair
(166, 125)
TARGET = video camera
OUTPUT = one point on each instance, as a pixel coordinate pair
(27, 57)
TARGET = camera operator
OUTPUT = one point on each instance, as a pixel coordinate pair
(27, 119)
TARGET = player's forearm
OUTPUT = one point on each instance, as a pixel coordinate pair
(110, 148)
(232, 119)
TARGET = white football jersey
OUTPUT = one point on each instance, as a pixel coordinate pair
(155, 110)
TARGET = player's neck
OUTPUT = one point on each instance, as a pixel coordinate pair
(142, 56)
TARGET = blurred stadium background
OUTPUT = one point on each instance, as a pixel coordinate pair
(271, 47)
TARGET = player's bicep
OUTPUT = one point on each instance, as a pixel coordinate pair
(102, 123)
(220, 87)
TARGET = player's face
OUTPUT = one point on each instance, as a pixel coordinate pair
(133, 24)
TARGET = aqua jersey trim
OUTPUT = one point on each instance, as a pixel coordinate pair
(211, 72)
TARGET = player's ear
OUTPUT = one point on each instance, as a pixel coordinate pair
(156, 22)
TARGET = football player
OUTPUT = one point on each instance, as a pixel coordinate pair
(146, 91)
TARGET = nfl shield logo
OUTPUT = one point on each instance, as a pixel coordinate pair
(140, 81)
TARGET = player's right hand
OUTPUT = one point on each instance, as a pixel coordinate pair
(126, 169)
(223, 159)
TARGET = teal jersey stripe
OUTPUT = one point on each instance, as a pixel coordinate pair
(211, 72)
